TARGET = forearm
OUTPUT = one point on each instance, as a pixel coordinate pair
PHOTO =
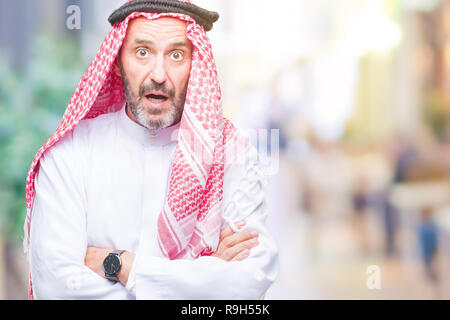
(95, 257)
(71, 280)
(127, 263)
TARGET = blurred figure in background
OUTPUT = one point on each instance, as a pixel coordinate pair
(428, 240)
(403, 156)
(361, 203)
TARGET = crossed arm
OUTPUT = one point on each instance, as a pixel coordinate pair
(66, 269)
(232, 247)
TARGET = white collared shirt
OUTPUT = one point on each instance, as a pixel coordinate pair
(104, 185)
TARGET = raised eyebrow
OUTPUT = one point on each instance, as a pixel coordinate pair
(150, 43)
(144, 42)
(180, 43)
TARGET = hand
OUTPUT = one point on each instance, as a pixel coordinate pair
(235, 246)
(94, 261)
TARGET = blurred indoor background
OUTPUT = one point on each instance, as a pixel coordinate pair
(357, 94)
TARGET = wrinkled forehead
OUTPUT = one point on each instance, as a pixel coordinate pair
(159, 33)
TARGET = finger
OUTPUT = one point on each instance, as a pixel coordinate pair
(225, 232)
(228, 231)
(242, 255)
(242, 246)
(236, 238)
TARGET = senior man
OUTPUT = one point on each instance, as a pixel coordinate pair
(145, 190)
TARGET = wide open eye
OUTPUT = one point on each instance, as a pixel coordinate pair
(176, 55)
(142, 53)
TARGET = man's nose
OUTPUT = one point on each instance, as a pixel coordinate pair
(159, 73)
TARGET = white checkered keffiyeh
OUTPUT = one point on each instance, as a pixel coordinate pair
(189, 225)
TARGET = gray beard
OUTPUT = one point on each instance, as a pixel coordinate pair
(171, 117)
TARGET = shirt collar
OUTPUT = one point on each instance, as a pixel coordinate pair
(145, 136)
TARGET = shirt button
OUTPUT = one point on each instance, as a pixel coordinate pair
(152, 137)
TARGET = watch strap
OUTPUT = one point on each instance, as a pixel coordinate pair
(118, 252)
(112, 277)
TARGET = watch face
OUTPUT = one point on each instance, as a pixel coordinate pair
(111, 265)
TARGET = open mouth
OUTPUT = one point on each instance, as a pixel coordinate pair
(157, 98)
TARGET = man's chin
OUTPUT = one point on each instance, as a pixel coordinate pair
(152, 122)
(154, 113)
(156, 121)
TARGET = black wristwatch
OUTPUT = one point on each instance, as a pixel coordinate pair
(112, 265)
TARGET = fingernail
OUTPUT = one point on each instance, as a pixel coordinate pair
(254, 241)
(253, 233)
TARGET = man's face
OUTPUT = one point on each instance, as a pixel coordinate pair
(155, 63)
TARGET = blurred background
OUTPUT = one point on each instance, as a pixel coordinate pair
(356, 94)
